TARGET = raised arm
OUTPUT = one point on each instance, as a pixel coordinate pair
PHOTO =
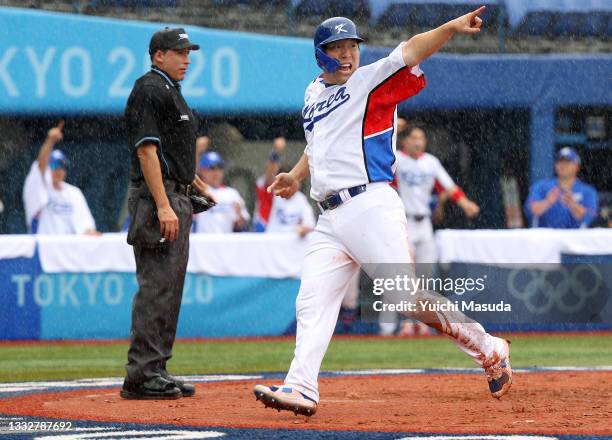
(422, 46)
(272, 166)
(54, 135)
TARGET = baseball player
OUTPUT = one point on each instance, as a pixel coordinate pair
(277, 215)
(349, 119)
(419, 173)
(230, 213)
(52, 205)
(292, 215)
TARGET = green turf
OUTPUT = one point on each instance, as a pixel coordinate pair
(40, 362)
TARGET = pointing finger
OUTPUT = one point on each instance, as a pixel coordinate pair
(272, 187)
(478, 11)
(275, 184)
(60, 124)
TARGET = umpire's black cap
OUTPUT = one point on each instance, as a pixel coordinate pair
(171, 39)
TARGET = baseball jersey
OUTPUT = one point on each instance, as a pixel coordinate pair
(416, 178)
(62, 211)
(286, 214)
(350, 128)
(157, 112)
(221, 218)
(263, 205)
(559, 215)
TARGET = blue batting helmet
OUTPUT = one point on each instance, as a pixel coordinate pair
(332, 29)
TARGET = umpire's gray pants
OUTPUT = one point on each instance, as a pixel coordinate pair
(161, 274)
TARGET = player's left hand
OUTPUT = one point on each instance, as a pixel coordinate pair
(284, 185)
(469, 23)
(303, 231)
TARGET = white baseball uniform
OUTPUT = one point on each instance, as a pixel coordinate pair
(286, 214)
(350, 130)
(63, 211)
(416, 179)
(221, 218)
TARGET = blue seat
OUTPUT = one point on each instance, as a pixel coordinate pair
(394, 16)
(429, 15)
(607, 32)
(537, 24)
(357, 9)
(312, 8)
(399, 15)
(228, 2)
(251, 3)
(567, 25)
(135, 3)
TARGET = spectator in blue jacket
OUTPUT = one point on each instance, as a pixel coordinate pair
(563, 202)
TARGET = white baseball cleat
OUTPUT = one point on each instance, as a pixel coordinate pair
(499, 371)
(285, 398)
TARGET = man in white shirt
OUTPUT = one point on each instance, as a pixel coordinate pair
(294, 215)
(53, 206)
(418, 174)
(230, 213)
(274, 214)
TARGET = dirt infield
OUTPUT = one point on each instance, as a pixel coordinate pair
(539, 403)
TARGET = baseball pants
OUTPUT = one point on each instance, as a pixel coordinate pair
(155, 310)
(365, 230)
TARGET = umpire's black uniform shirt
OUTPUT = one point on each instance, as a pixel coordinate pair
(156, 112)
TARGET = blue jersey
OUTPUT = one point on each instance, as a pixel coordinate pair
(559, 215)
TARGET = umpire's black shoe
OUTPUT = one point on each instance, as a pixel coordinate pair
(187, 389)
(156, 388)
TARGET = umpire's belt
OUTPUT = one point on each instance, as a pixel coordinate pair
(177, 187)
(336, 199)
(170, 186)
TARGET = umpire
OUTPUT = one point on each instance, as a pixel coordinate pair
(162, 136)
